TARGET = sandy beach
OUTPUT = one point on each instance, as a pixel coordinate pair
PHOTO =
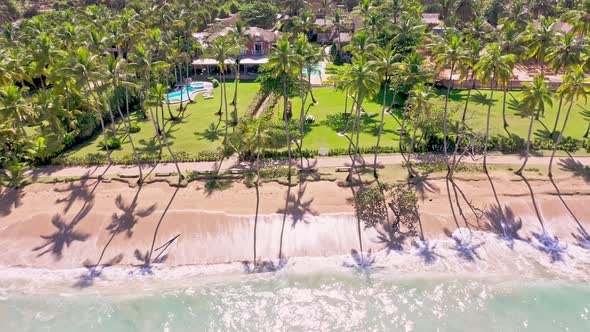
(68, 225)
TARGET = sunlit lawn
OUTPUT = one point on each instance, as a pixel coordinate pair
(516, 115)
(199, 130)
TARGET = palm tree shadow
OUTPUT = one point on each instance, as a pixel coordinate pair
(64, 236)
(261, 266)
(87, 279)
(211, 134)
(464, 245)
(480, 98)
(425, 250)
(77, 192)
(146, 259)
(297, 207)
(505, 224)
(583, 237)
(11, 198)
(576, 168)
(392, 240)
(361, 262)
(423, 186)
(128, 218)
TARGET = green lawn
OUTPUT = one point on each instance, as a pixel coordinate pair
(200, 129)
(516, 115)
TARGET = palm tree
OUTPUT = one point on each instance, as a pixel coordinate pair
(116, 73)
(221, 51)
(386, 64)
(573, 89)
(492, 66)
(15, 108)
(87, 67)
(539, 38)
(238, 39)
(467, 69)
(536, 96)
(362, 78)
(565, 52)
(449, 53)
(281, 64)
(157, 95)
(580, 18)
(419, 102)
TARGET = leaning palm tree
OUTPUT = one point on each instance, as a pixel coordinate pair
(419, 102)
(492, 66)
(364, 80)
(386, 64)
(156, 100)
(566, 52)
(449, 53)
(221, 51)
(466, 68)
(535, 98)
(573, 89)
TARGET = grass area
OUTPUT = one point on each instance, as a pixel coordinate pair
(324, 132)
(516, 115)
(198, 130)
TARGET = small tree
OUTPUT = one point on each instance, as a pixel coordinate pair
(403, 202)
(370, 206)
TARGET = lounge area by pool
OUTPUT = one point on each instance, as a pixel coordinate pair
(185, 92)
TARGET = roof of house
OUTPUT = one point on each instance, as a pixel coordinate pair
(431, 18)
(323, 22)
(255, 33)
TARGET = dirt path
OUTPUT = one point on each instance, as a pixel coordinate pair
(321, 162)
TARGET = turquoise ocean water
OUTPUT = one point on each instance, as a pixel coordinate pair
(309, 302)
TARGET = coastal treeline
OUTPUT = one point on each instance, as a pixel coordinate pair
(76, 68)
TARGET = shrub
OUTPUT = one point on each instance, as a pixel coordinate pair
(134, 127)
(113, 143)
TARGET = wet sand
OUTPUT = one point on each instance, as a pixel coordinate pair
(67, 225)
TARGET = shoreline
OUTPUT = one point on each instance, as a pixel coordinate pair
(62, 227)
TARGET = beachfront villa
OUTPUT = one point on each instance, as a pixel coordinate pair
(254, 53)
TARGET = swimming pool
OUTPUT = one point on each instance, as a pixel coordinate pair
(183, 94)
(316, 70)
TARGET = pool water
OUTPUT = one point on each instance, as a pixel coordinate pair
(316, 70)
(183, 95)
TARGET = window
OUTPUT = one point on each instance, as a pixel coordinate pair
(258, 49)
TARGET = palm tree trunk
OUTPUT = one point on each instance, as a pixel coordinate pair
(468, 96)
(235, 100)
(302, 125)
(287, 131)
(358, 134)
(126, 123)
(504, 106)
(221, 92)
(412, 143)
(127, 100)
(567, 115)
(165, 138)
(104, 132)
(587, 131)
(487, 136)
(257, 184)
(313, 100)
(226, 109)
(528, 143)
(445, 120)
(557, 117)
(386, 87)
